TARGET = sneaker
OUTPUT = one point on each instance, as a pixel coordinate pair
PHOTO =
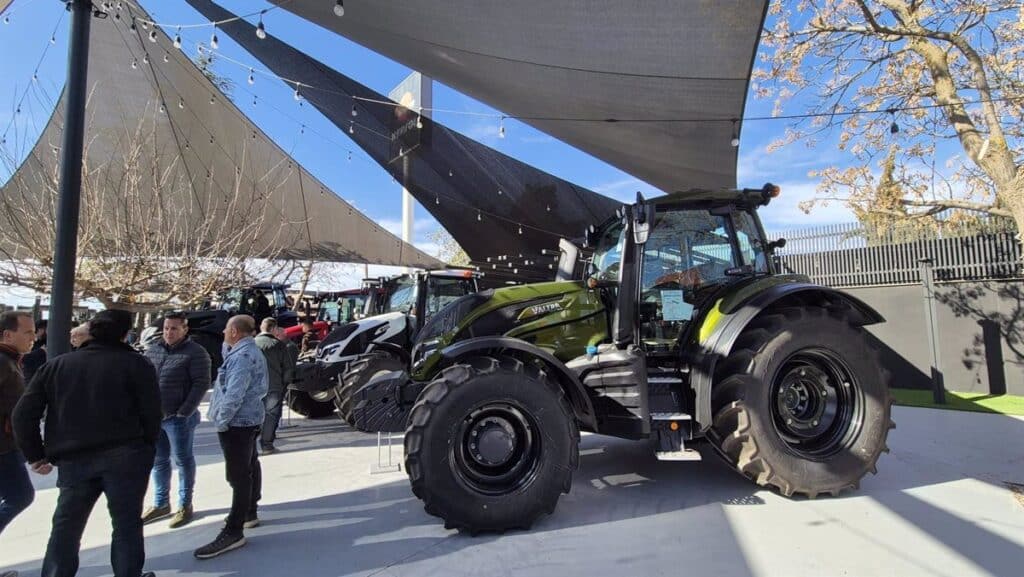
(183, 517)
(156, 513)
(222, 544)
(267, 449)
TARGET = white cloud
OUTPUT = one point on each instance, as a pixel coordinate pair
(784, 213)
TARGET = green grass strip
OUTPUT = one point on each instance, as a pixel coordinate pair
(977, 402)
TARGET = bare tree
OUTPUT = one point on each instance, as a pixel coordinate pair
(151, 235)
(449, 250)
(954, 67)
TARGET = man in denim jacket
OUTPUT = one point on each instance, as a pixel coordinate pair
(237, 410)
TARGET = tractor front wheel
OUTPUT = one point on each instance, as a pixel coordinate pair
(491, 445)
(304, 404)
(802, 404)
(362, 371)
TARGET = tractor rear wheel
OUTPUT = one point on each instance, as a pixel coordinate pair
(302, 403)
(491, 445)
(802, 403)
(362, 371)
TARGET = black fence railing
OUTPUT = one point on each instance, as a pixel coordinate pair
(850, 255)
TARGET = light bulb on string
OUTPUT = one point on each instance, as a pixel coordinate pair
(450, 173)
(437, 199)
(152, 35)
(145, 58)
(499, 192)
(339, 8)
(354, 111)
(177, 38)
(145, 25)
(419, 122)
(893, 128)
(261, 30)
(297, 95)
(163, 109)
(501, 127)
(252, 77)
(254, 101)
(53, 39)
(167, 58)
(351, 127)
(520, 229)
(212, 99)
(350, 156)
(35, 77)
(214, 44)
(479, 216)
(7, 19)
(181, 103)
(735, 134)
(135, 64)
(132, 25)
(302, 129)
(549, 208)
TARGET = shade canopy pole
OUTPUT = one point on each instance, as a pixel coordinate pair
(70, 193)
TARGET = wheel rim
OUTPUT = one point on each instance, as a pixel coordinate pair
(324, 396)
(817, 404)
(498, 449)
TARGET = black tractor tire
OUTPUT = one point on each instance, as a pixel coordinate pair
(772, 399)
(362, 371)
(302, 403)
(477, 402)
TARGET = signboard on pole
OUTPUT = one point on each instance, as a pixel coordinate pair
(409, 125)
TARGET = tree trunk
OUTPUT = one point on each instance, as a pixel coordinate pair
(302, 289)
(1011, 196)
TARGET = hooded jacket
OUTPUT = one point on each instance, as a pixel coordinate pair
(280, 366)
(241, 385)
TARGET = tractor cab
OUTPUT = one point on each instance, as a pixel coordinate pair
(422, 294)
(261, 300)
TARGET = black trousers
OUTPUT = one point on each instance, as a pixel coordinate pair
(121, 474)
(243, 473)
(272, 403)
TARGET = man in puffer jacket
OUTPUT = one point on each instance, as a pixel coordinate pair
(237, 410)
(183, 369)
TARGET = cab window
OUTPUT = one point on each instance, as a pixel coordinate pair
(748, 236)
(403, 299)
(442, 291)
(608, 253)
(686, 252)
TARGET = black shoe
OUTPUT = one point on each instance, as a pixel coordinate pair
(222, 544)
(267, 449)
(251, 521)
(148, 574)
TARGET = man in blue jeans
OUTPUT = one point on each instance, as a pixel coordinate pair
(16, 493)
(183, 370)
(102, 409)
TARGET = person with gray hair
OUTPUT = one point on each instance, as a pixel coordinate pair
(80, 335)
(280, 369)
(238, 413)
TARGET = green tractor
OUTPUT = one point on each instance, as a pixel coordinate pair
(680, 331)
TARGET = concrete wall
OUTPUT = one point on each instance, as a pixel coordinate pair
(981, 334)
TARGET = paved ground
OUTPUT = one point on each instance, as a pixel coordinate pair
(939, 506)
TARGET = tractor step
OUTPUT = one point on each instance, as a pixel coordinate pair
(669, 430)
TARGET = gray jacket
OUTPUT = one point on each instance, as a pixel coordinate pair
(183, 372)
(280, 366)
(241, 385)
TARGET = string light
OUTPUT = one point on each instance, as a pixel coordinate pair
(163, 109)
(261, 30)
(145, 58)
(53, 39)
(7, 19)
(297, 95)
(419, 122)
(252, 77)
(350, 156)
(254, 100)
(181, 103)
(450, 173)
(893, 128)
(499, 192)
(501, 127)
(132, 25)
(437, 199)
(520, 229)
(167, 58)
(479, 216)
(214, 44)
(735, 134)
(152, 35)
(351, 127)
(354, 111)
(135, 64)
(177, 39)
(339, 8)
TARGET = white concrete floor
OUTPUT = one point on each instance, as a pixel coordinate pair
(939, 506)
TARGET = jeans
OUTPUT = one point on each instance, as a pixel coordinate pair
(243, 474)
(16, 491)
(272, 403)
(175, 443)
(120, 473)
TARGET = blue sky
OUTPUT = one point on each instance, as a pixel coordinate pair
(361, 181)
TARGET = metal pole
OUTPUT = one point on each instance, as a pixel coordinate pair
(931, 321)
(66, 246)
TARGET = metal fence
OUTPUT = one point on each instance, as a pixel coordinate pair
(850, 255)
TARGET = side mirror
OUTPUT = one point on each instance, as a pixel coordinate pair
(776, 244)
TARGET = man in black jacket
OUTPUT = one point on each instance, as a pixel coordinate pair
(183, 371)
(16, 491)
(31, 362)
(280, 372)
(102, 408)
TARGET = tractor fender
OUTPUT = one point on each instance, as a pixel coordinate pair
(570, 383)
(393, 349)
(717, 345)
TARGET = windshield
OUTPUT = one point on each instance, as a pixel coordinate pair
(442, 291)
(403, 295)
(608, 252)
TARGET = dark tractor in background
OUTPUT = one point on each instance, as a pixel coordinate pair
(680, 332)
